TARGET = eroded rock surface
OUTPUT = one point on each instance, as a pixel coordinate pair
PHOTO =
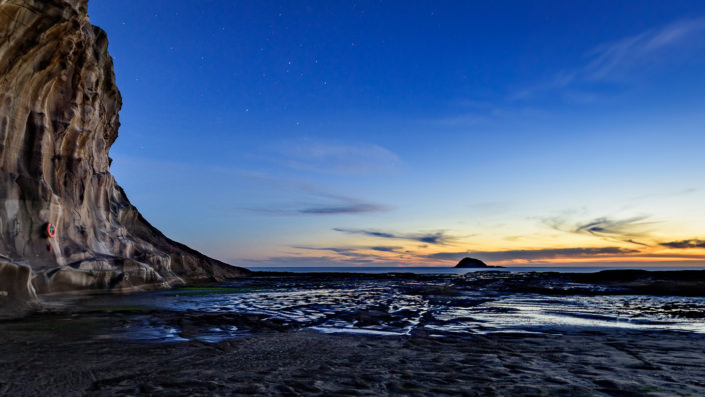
(58, 118)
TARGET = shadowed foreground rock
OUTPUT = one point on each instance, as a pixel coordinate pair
(58, 118)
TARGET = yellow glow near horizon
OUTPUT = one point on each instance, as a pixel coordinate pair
(574, 250)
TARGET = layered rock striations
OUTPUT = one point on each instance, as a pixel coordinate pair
(58, 118)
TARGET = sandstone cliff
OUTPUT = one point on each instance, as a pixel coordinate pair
(58, 118)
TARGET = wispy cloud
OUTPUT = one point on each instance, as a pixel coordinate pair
(334, 256)
(339, 207)
(385, 248)
(628, 230)
(345, 253)
(303, 261)
(629, 227)
(623, 59)
(352, 208)
(312, 200)
(337, 250)
(683, 192)
(534, 255)
(683, 244)
(351, 250)
(437, 238)
(354, 158)
(623, 55)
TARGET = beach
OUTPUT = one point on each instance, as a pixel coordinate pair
(311, 363)
(355, 334)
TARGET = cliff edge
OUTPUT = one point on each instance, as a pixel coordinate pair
(58, 118)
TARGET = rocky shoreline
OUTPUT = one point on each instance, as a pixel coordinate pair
(289, 337)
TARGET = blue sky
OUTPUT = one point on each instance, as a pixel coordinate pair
(268, 133)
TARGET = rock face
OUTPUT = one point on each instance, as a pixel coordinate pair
(467, 263)
(58, 118)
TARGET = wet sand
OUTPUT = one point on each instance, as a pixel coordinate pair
(71, 359)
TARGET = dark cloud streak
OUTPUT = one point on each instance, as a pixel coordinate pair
(606, 226)
(385, 249)
(437, 238)
(349, 250)
(684, 244)
(344, 209)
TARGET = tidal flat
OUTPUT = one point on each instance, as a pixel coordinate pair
(482, 333)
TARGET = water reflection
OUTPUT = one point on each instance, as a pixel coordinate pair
(401, 307)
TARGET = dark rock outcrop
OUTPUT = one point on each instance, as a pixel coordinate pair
(58, 118)
(17, 295)
(467, 263)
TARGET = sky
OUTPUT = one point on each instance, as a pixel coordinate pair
(396, 133)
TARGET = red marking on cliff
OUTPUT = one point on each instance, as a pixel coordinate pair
(51, 230)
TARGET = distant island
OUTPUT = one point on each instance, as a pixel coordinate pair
(468, 263)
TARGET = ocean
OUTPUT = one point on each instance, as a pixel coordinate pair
(452, 270)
